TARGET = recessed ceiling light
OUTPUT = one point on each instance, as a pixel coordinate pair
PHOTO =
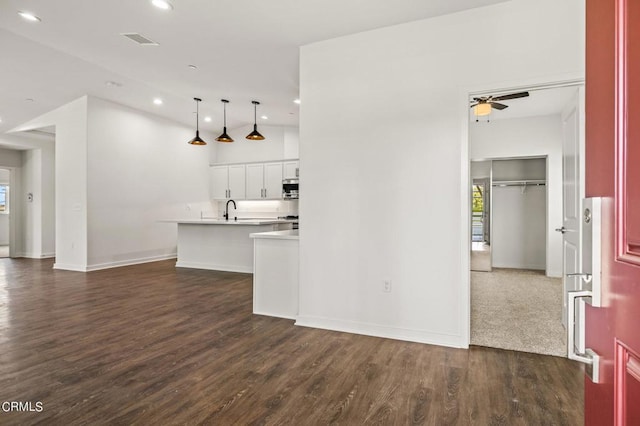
(157, 101)
(162, 4)
(112, 83)
(29, 16)
(193, 67)
(296, 101)
(29, 100)
(207, 119)
(264, 117)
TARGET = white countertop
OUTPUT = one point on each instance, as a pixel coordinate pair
(289, 234)
(214, 221)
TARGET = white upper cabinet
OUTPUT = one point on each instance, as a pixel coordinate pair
(237, 182)
(227, 182)
(251, 181)
(255, 181)
(264, 181)
(290, 169)
(273, 181)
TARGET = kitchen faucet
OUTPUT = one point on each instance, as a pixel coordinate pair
(226, 209)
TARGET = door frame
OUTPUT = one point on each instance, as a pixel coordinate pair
(465, 94)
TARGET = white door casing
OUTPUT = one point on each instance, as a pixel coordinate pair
(573, 143)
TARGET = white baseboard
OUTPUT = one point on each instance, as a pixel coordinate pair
(554, 274)
(276, 315)
(129, 262)
(521, 266)
(214, 267)
(68, 267)
(34, 255)
(376, 330)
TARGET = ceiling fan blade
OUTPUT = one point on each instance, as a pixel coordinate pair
(472, 105)
(498, 106)
(482, 99)
(511, 96)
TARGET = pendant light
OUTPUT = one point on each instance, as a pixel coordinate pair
(255, 135)
(197, 140)
(224, 137)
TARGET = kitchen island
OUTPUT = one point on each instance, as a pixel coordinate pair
(275, 273)
(221, 245)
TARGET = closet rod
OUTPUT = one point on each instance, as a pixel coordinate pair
(520, 183)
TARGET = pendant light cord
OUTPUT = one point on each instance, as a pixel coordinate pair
(197, 116)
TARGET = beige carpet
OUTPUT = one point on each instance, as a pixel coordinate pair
(517, 310)
(481, 261)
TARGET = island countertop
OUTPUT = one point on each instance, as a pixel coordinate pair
(287, 234)
(221, 245)
(241, 221)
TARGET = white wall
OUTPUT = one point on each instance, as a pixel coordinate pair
(529, 137)
(4, 218)
(383, 154)
(38, 215)
(141, 170)
(480, 169)
(519, 225)
(280, 143)
(117, 172)
(10, 157)
(70, 122)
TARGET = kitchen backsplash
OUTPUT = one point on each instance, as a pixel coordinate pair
(256, 209)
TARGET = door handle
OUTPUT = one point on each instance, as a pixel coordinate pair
(561, 230)
(589, 357)
(585, 277)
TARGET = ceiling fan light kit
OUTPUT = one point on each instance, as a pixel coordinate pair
(482, 109)
(197, 140)
(483, 105)
(224, 137)
(255, 135)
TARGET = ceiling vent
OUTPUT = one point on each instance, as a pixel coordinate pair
(140, 39)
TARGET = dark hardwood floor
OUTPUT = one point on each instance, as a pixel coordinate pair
(150, 345)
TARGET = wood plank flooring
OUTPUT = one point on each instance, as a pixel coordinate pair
(153, 345)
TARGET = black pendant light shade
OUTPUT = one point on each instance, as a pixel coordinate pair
(255, 135)
(197, 140)
(224, 137)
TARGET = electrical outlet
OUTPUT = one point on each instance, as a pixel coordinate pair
(386, 286)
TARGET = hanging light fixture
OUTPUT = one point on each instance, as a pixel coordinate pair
(224, 137)
(197, 140)
(255, 135)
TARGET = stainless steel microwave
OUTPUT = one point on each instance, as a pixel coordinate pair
(290, 188)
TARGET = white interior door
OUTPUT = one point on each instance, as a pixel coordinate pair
(572, 194)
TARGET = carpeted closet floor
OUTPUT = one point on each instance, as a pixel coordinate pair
(518, 310)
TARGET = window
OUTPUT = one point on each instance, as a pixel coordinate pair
(4, 198)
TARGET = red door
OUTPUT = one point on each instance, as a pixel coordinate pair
(613, 172)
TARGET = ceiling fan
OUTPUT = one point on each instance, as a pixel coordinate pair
(483, 104)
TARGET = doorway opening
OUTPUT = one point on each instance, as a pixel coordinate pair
(481, 216)
(516, 201)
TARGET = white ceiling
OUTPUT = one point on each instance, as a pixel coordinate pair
(244, 50)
